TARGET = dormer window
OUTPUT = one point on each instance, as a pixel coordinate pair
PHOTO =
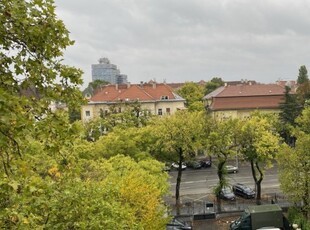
(164, 98)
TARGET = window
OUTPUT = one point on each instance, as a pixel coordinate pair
(168, 110)
(164, 98)
(160, 112)
(87, 113)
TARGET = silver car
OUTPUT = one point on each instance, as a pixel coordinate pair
(231, 169)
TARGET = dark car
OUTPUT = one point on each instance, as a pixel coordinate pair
(206, 163)
(176, 224)
(227, 194)
(194, 164)
(243, 190)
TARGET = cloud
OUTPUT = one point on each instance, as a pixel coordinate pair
(181, 40)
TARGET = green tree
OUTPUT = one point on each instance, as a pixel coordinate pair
(31, 73)
(290, 110)
(222, 144)
(213, 84)
(193, 94)
(180, 135)
(303, 75)
(132, 115)
(294, 169)
(94, 86)
(259, 144)
(303, 90)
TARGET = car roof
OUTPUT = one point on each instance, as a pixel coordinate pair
(241, 185)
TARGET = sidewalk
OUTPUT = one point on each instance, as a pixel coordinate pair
(199, 210)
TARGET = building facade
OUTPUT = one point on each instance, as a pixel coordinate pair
(238, 101)
(157, 98)
(106, 71)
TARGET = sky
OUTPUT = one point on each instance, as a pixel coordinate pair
(190, 40)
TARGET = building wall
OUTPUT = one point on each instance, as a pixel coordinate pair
(240, 113)
(93, 110)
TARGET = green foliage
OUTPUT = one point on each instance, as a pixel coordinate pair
(295, 216)
(133, 142)
(303, 75)
(290, 109)
(94, 86)
(180, 132)
(259, 144)
(294, 174)
(303, 90)
(222, 144)
(180, 136)
(193, 94)
(213, 84)
(48, 177)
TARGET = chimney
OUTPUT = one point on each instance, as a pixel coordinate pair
(116, 86)
(154, 85)
(128, 85)
(141, 84)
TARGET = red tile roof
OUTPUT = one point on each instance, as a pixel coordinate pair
(133, 92)
(255, 102)
(257, 96)
(251, 90)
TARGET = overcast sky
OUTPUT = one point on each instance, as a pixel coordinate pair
(190, 40)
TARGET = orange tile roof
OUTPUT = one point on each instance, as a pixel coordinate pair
(133, 92)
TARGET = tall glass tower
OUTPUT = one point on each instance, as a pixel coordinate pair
(107, 72)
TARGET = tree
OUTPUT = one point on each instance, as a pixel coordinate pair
(94, 86)
(132, 115)
(31, 73)
(294, 164)
(303, 75)
(222, 143)
(290, 110)
(294, 168)
(259, 144)
(193, 94)
(303, 90)
(213, 84)
(179, 135)
(48, 177)
(132, 141)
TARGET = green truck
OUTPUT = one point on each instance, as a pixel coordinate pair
(261, 216)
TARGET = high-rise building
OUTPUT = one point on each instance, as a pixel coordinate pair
(107, 72)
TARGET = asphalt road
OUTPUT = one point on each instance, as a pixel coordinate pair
(200, 181)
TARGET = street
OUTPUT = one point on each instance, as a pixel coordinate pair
(201, 181)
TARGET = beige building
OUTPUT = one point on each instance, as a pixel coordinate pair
(242, 99)
(154, 97)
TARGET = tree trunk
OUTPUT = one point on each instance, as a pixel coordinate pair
(258, 181)
(177, 188)
(305, 200)
(220, 175)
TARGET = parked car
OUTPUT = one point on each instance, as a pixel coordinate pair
(206, 163)
(231, 169)
(227, 194)
(176, 166)
(243, 190)
(194, 164)
(176, 224)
